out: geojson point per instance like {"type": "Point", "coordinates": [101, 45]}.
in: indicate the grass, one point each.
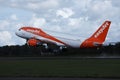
{"type": "Point", "coordinates": [61, 68]}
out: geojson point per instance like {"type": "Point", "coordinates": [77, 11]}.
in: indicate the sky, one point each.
{"type": "Point", "coordinates": [78, 17]}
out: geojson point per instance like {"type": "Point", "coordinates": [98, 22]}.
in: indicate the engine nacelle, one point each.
{"type": "Point", "coordinates": [32, 42]}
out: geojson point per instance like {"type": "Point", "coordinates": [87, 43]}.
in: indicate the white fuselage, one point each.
{"type": "Point", "coordinates": [68, 39]}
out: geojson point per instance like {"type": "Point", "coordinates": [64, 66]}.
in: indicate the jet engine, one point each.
{"type": "Point", "coordinates": [32, 42]}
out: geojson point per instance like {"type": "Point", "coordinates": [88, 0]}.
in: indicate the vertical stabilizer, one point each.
{"type": "Point", "coordinates": [98, 37]}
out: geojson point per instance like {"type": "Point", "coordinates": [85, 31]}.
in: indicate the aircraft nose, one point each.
{"type": "Point", "coordinates": [20, 34]}
{"type": "Point", "coordinates": [17, 33]}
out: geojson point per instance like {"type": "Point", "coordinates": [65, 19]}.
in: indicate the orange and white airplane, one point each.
{"type": "Point", "coordinates": [36, 36]}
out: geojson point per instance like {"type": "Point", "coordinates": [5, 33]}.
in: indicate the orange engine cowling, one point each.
{"type": "Point", "coordinates": [32, 42]}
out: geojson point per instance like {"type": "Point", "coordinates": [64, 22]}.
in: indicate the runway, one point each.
{"type": "Point", "coordinates": [53, 58]}
{"type": "Point", "coordinates": [29, 78]}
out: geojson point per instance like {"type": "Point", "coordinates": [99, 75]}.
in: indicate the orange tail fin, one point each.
{"type": "Point", "coordinates": [98, 37]}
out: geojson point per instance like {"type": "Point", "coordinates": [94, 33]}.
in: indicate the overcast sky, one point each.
{"type": "Point", "coordinates": [79, 17]}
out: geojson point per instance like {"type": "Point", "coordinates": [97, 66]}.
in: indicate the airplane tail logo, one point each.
{"type": "Point", "coordinates": [98, 37]}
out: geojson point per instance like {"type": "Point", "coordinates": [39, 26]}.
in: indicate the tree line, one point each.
{"type": "Point", "coordinates": [25, 50]}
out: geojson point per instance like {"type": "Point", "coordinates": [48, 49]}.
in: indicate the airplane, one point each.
{"type": "Point", "coordinates": [37, 36]}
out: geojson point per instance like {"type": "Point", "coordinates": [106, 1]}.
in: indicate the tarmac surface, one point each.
{"type": "Point", "coordinates": [28, 78]}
